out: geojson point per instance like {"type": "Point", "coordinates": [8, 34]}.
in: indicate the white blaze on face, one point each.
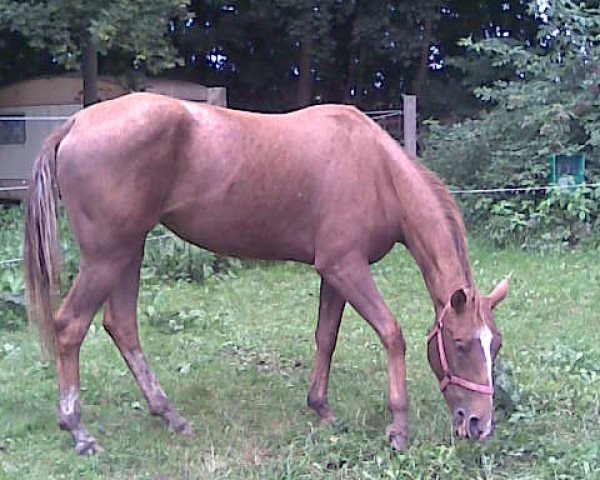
{"type": "Point", "coordinates": [485, 337]}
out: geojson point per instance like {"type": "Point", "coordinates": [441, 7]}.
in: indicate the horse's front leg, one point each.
{"type": "Point", "coordinates": [350, 276]}
{"type": "Point", "coordinates": [331, 308]}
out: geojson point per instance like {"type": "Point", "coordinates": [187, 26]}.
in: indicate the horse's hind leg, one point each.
{"type": "Point", "coordinates": [92, 285]}
{"type": "Point", "coordinates": [121, 324]}
{"type": "Point", "coordinates": [331, 308]}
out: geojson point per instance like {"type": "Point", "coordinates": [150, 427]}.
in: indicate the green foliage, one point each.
{"type": "Point", "coordinates": [550, 105]}
{"type": "Point", "coordinates": [166, 258]}
{"type": "Point", "coordinates": [12, 301]}
{"type": "Point", "coordinates": [18, 60]}
{"type": "Point", "coordinates": [378, 49]}
{"type": "Point", "coordinates": [168, 317]}
{"type": "Point", "coordinates": [135, 28]}
{"type": "Point", "coordinates": [553, 218]}
{"type": "Point", "coordinates": [366, 53]}
{"type": "Point", "coordinates": [346, 46]}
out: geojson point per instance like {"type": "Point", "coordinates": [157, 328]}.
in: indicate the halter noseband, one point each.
{"type": "Point", "coordinates": [449, 378]}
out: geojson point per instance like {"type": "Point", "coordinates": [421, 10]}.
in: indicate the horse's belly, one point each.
{"type": "Point", "coordinates": [237, 232]}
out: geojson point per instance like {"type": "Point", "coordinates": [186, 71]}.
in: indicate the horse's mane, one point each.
{"type": "Point", "coordinates": [451, 214]}
{"type": "Point", "coordinates": [446, 202]}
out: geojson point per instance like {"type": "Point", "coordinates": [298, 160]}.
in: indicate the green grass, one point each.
{"type": "Point", "coordinates": [237, 363]}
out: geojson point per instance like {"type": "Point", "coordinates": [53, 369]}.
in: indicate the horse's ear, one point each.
{"type": "Point", "coordinates": [499, 293]}
{"type": "Point", "coordinates": [458, 300]}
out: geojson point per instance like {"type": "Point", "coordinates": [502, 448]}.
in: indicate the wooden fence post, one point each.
{"type": "Point", "coordinates": [217, 96]}
{"type": "Point", "coordinates": [410, 125]}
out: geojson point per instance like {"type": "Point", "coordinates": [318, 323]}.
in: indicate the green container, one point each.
{"type": "Point", "coordinates": [567, 170]}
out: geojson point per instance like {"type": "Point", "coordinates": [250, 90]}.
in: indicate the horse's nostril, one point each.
{"type": "Point", "coordinates": [474, 428]}
{"type": "Point", "coordinates": [460, 413]}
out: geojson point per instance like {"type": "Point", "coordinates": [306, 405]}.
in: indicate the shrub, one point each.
{"type": "Point", "coordinates": [550, 106]}
{"type": "Point", "coordinates": [167, 258]}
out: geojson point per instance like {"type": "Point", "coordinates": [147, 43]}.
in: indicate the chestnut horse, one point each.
{"type": "Point", "coordinates": [324, 185]}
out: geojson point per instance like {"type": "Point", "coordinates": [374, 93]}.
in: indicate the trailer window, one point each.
{"type": "Point", "coordinates": [12, 130]}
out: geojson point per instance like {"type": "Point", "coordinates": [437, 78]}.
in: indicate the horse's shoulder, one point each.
{"type": "Point", "coordinates": [137, 103]}
{"type": "Point", "coordinates": [343, 115]}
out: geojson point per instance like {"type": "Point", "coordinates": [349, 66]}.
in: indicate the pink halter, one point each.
{"type": "Point", "coordinates": [449, 378]}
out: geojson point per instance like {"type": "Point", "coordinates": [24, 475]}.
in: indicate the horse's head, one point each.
{"type": "Point", "coordinates": [462, 347]}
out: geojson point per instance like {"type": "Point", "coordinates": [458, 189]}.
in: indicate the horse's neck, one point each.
{"type": "Point", "coordinates": [441, 268]}
{"type": "Point", "coordinates": [437, 244]}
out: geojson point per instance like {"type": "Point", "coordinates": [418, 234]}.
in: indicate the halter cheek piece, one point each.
{"type": "Point", "coordinates": [449, 378]}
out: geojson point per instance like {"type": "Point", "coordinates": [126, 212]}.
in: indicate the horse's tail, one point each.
{"type": "Point", "coordinates": [41, 248]}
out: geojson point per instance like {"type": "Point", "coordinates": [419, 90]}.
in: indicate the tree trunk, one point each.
{"type": "Point", "coordinates": [89, 70]}
{"type": "Point", "coordinates": [345, 53]}
{"type": "Point", "coordinates": [422, 72]}
{"type": "Point", "coordinates": [351, 79]}
{"type": "Point", "coordinates": [355, 74]}
{"type": "Point", "coordinates": [304, 93]}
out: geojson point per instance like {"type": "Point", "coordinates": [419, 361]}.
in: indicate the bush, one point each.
{"type": "Point", "coordinates": [552, 105]}
{"type": "Point", "coordinates": [167, 258]}
{"type": "Point", "coordinates": [12, 301]}
{"type": "Point", "coordinates": [558, 218]}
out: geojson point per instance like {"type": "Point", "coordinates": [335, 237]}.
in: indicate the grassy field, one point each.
{"type": "Point", "coordinates": [234, 355]}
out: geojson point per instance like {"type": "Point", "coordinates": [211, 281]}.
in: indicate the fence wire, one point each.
{"type": "Point", "coordinates": [381, 114]}
{"type": "Point", "coordinates": [40, 118]}
{"type": "Point", "coordinates": [370, 113]}
{"type": "Point", "coordinates": [374, 115]}
{"type": "Point", "coordinates": [386, 115]}
{"type": "Point", "coordinates": [483, 191]}
{"type": "Point", "coordinates": [156, 238]}
{"type": "Point", "coordinates": [475, 191]}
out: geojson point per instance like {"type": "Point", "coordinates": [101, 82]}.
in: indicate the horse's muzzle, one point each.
{"type": "Point", "coordinates": [472, 427]}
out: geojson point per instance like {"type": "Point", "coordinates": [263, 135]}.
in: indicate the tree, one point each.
{"type": "Point", "coordinates": [552, 97]}
{"type": "Point", "coordinates": [281, 54]}
{"type": "Point", "coordinates": [459, 71]}
{"type": "Point", "coordinates": [75, 33]}
{"type": "Point", "coordinates": [17, 60]}
{"type": "Point", "coordinates": [549, 105]}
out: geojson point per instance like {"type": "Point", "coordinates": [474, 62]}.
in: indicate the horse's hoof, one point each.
{"type": "Point", "coordinates": [398, 441]}
{"type": "Point", "coordinates": [178, 423]}
{"type": "Point", "coordinates": [187, 431]}
{"type": "Point", "coordinates": [88, 447]}
{"type": "Point", "coordinates": [328, 421]}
